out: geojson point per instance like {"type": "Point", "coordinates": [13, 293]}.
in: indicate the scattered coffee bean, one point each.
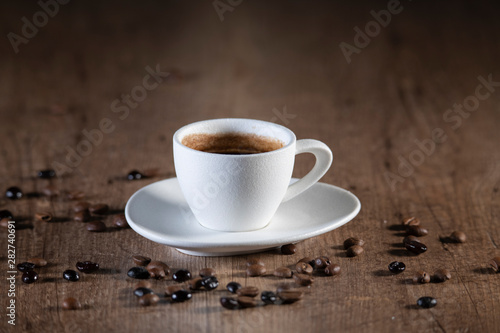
{"type": "Point", "coordinates": [99, 209]}
{"type": "Point", "coordinates": [25, 266]}
{"type": "Point", "coordinates": [351, 241]}
{"type": "Point", "coordinates": [233, 287]}
{"type": "Point", "coordinates": [229, 303]}
{"type": "Point", "coordinates": [181, 296]}
{"type": "Point", "coordinates": [332, 270]}
{"type": "Point", "coordinates": [5, 214]}
{"type": "Point", "coordinates": [173, 288]}
{"type": "Point", "coordinates": [149, 299]}
{"type": "Point", "coordinates": [50, 191]}
{"type": "Point", "coordinates": [152, 172]}
{"type": "Point", "coordinates": [255, 261]}
{"type": "Point", "coordinates": [246, 302]}
{"type": "Point", "coordinates": [421, 277]}
{"type": "Point", "coordinates": [157, 273]}
{"type": "Point", "coordinates": [426, 302]}
{"type": "Point", "coordinates": [71, 303]}
{"type": "Point", "coordinates": [82, 216]}
{"type": "Point", "coordinates": [158, 269]}
{"type": "Point", "coordinates": [416, 230]}
{"type": "Point", "coordinates": [397, 267]}
{"type": "Point", "coordinates": [134, 175]}
{"type": "Point", "coordinates": [181, 275]}
{"type": "Point", "coordinates": [4, 223]}
{"type": "Point", "coordinates": [284, 286]}
{"type": "Point", "coordinates": [29, 277]}
{"type": "Point", "coordinates": [207, 272]}
{"type": "Point", "coordinates": [321, 262]}
{"type": "Point", "coordinates": [45, 174]}
{"type": "Point", "coordinates": [120, 221]}
{"type": "Point", "coordinates": [289, 249]}
{"type": "Point", "coordinates": [71, 275]}
{"type": "Point", "coordinates": [143, 284]}
{"type": "Point", "coordinates": [354, 251]}
{"type": "Point", "coordinates": [139, 292]}
{"type": "Point", "coordinates": [209, 282]}
{"type": "Point", "coordinates": [138, 273]}
{"type": "Point", "coordinates": [290, 296]}
{"type": "Point", "coordinates": [303, 279]}
{"type": "Point", "coordinates": [495, 264]}
{"type": "Point", "coordinates": [195, 284]}
{"type": "Point", "coordinates": [75, 195]}
{"type": "Point", "coordinates": [248, 291]}
{"type": "Point", "coordinates": [96, 226]}
{"type": "Point", "coordinates": [308, 260]}
{"type": "Point", "coordinates": [81, 206]}
{"type": "Point", "coordinates": [38, 262]}
{"type": "Point", "coordinates": [410, 221]}
{"type": "Point", "coordinates": [268, 297]}
{"type": "Point", "coordinates": [141, 260]}
{"type": "Point", "coordinates": [410, 238]}
{"type": "Point", "coordinates": [44, 217]}
{"type": "Point", "coordinates": [304, 268]}
{"type": "Point", "coordinates": [256, 270]}
{"type": "Point", "coordinates": [415, 247]}
{"type": "Point", "coordinates": [14, 193]}
{"type": "Point", "coordinates": [284, 272]}
{"type": "Point", "coordinates": [458, 237]}
{"type": "Point", "coordinates": [87, 266]}
{"type": "Point", "coordinates": [441, 275]}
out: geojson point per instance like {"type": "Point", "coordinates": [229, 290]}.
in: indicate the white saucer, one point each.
{"type": "Point", "coordinates": [160, 213]}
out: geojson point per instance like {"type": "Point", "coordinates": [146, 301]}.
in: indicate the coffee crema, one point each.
{"type": "Point", "coordinates": [232, 143]}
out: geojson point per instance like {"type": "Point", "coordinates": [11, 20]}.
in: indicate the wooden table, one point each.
{"type": "Point", "coordinates": [281, 62]}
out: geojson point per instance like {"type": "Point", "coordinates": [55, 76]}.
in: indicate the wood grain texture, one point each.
{"type": "Point", "coordinates": [263, 59]}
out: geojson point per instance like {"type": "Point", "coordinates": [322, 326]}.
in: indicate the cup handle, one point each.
{"type": "Point", "coordinates": [324, 159]}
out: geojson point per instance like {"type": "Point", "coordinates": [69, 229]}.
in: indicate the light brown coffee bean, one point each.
{"type": "Point", "coordinates": [289, 249]}
{"type": "Point", "coordinates": [75, 195]}
{"type": "Point", "coordinates": [307, 260]}
{"type": "Point", "coordinates": [304, 268]}
{"type": "Point", "coordinates": [332, 270]}
{"type": "Point", "coordinates": [120, 221]}
{"type": "Point", "coordinates": [43, 216]}
{"type": "Point", "coordinates": [290, 296]}
{"type": "Point", "coordinates": [283, 272]}
{"type": "Point", "coordinates": [153, 172]}
{"type": "Point", "coordinates": [410, 221]}
{"type": "Point", "coordinates": [409, 239]}
{"type": "Point", "coordinates": [80, 206]}
{"type": "Point", "coordinates": [495, 264]}
{"type": "Point", "coordinates": [38, 262]}
{"type": "Point", "coordinates": [421, 277]}
{"type": "Point", "coordinates": [143, 284]}
{"type": "Point", "coordinates": [458, 237]}
{"type": "Point", "coordinates": [141, 260]}
{"type": "Point", "coordinates": [442, 275]}
{"type": "Point", "coordinates": [247, 302]}
{"type": "Point", "coordinates": [96, 226]}
{"type": "Point", "coordinates": [303, 279]}
{"type": "Point", "coordinates": [82, 216]}
{"type": "Point", "coordinates": [207, 271]}
{"type": "Point", "coordinates": [149, 299]}
{"type": "Point", "coordinates": [195, 284]}
{"type": "Point", "coordinates": [255, 261]}
{"type": "Point", "coordinates": [284, 286]}
{"type": "Point", "coordinates": [173, 288]}
{"type": "Point", "coordinates": [4, 222]}
{"type": "Point", "coordinates": [70, 303]}
{"type": "Point", "coordinates": [351, 241]}
{"type": "Point", "coordinates": [416, 230]}
{"type": "Point", "coordinates": [248, 291]}
{"type": "Point", "coordinates": [354, 251]}
{"type": "Point", "coordinates": [321, 262]}
{"type": "Point", "coordinates": [99, 209]}
{"type": "Point", "coordinates": [50, 191]}
{"type": "Point", "coordinates": [256, 270]}
{"type": "Point", "coordinates": [158, 269]}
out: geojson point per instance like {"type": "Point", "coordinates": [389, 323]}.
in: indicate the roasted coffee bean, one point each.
{"type": "Point", "coordinates": [71, 275]}
{"type": "Point", "coordinates": [75, 195]}
{"type": "Point", "coordinates": [14, 193]}
{"type": "Point", "coordinates": [45, 174]}
{"type": "Point", "coordinates": [441, 275]}
{"type": "Point", "coordinates": [71, 303]}
{"type": "Point", "coordinates": [308, 260]}
{"type": "Point", "coordinates": [268, 297]}
{"type": "Point", "coordinates": [284, 272]}
{"type": "Point", "coordinates": [256, 270]}
{"type": "Point", "coordinates": [246, 302]}
{"type": "Point", "coordinates": [149, 299]}
{"type": "Point", "coordinates": [182, 275]}
{"type": "Point", "coordinates": [321, 262]}
{"type": "Point", "coordinates": [289, 249]}
{"type": "Point", "coordinates": [25, 266]}
{"type": "Point", "coordinates": [255, 261]}
{"type": "Point", "coordinates": [82, 216]}
{"type": "Point", "coordinates": [96, 226]}
{"type": "Point", "coordinates": [99, 209]}
{"type": "Point", "coordinates": [458, 237]}
{"type": "Point", "coordinates": [157, 273]}
{"type": "Point", "coordinates": [181, 296]}
{"type": "Point", "coordinates": [290, 296]}
{"type": "Point", "coordinates": [38, 262]}
{"type": "Point", "coordinates": [354, 251]}
{"type": "Point", "coordinates": [173, 288]}
{"type": "Point", "coordinates": [229, 303]}
{"type": "Point", "coordinates": [304, 268]}
{"type": "Point", "coordinates": [303, 279]}
{"type": "Point", "coordinates": [120, 221]}
{"type": "Point", "coordinates": [248, 291]}
{"type": "Point", "coordinates": [143, 284]}
{"type": "Point", "coordinates": [284, 286]}
{"type": "Point", "coordinates": [44, 217]}
{"type": "Point", "coordinates": [134, 175]}
{"type": "Point", "coordinates": [158, 269]}
{"type": "Point", "coordinates": [415, 247]}
{"type": "Point", "coordinates": [5, 214]}
{"type": "Point", "coordinates": [152, 172]}
{"type": "Point", "coordinates": [209, 282]}
{"type": "Point", "coordinates": [351, 241]}
{"type": "Point", "coordinates": [141, 260]}
{"type": "Point", "coordinates": [207, 272]}
{"type": "Point", "coordinates": [50, 191]}
{"type": "Point", "coordinates": [138, 273]}
{"type": "Point", "coordinates": [87, 266]}
{"type": "Point", "coordinates": [410, 238]}
{"type": "Point", "coordinates": [4, 223]}
{"type": "Point", "coordinates": [397, 267]}
{"type": "Point", "coordinates": [495, 264]}
{"type": "Point", "coordinates": [426, 302]}
{"type": "Point", "coordinates": [81, 206]}
{"type": "Point", "coordinates": [410, 221]}
{"type": "Point", "coordinates": [332, 270]}
{"type": "Point", "coordinates": [139, 292]}
{"type": "Point", "coordinates": [416, 230]}
{"type": "Point", "coordinates": [29, 277]}
{"type": "Point", "coordinates": [233, 287]}
{"type": "Point", "coordinates": [195, 284]}
{"type": "Point", "coordinates": [421, 277]}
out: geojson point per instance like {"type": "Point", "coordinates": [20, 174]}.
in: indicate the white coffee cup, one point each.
{"type": "Point", "coordinates": [243, 192]}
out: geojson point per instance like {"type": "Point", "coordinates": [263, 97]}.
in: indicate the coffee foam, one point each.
{"type": "Point", "coordinates": [231, 143]}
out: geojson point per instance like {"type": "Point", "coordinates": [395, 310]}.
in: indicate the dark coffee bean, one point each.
{"type": "Point", "coordinates": [14, 193]}
{"type": "Point", "coordinates": [182, 275]}
{"type": "Point", "coordinates": [209, 282]}
{"type": "Point", "coordinates": [120, 221]}
{"type": "Point", "coordinates": [354, 251]}
{"type": "Point", "coordinates": [173, 288]}
{"type": "Point", "coordinates": [289, 249]}
{"type": "Point", "coordinates": [321, 262]}
{"type": "Point", "coordinates": [268, 297]}
{"type": "Point", "coordinates": [25, 267]}
{"type": "Point", "coordinates": [29, 277]}
{"type": "Point", "coordinates": [50, 191]}
{"type": "Point", "coordinates": [45, 174]}
{"type": "Point", "coordinates": [303, 279]}
{"type": "Point", "coordinates": [207, 272]}
{"type": "Point", "coordinates": [290, 296]}
{"type": "Point", "coordinates": [195, 284]}
{"type": "Point", "coordinates": [81, 206]}
{"type": "Point", "coordinates": [332, 270]}
{"type": "Point", "coordinates": [233, 287]}
{"type": "Point", "coordinates": [149, 299]}
{"type": "Point", "coordinates": [134, 175]}
{"type": "Point", "coordinates": [284, 272]}
{"type": "Point", "coordinates": [99, 209]}
{"type": "Point", "coordinates": [141, 260]}
{"type": "Point", "coordinates": [415, 247]}
{"type": "Point", "coordinates": [158, 269]}
{"type": "Point", "coordinates": [458, 237]}
{"type": "Point", "coordinates": [421, 277]}
{"type": "Point", "coordinates": [256, 270]}
{"type": "Point", "coordinates": [410, 238]}
{"type": "Point", "coordinates": [426, 302]}
{"type": "Point", "coordinates": [416, 230]}
{"type": "Point", "coordinates": [71, 275]}
{"type": "Point", "coordinates": [5, 214]}
{"type": "Point", "coordinates": [255, 261]}
{"type": "Point", "coordinates": [82, 216]}
{"type": "Point", "coordinates": [87, 266]}
{"type": "Point", "coordinates": [38, 262]}
{"type": "Point", "coordinates": [139, 292]}
{"type": "Point", "coordinates": [495, 264]}
{"type": "Point", "coordinates": [351, 241]}
{"type": "Point", "coordinates": [229, 303]}
{"type": "Point", "coordinates": [96, 226]}
{"type": "Point", "coordinates": [181, 296]}
{"type": "Point", "coordinates": [248, 291]}
{"type": "Point", "coordinates": [441, 275]}
{"type": "Point", "coordinates": [246, 302]}
{"type": "Point", "coordinates": [308, 260]}
{"type": "Point", "coordinates": [410, 221]}
{"type": "Point", "coordinates": [397, 267]}
{"type": "Point", "coordinates": [75, 195]}
{"type": "Point", "coordinates": [143, 284]}
{"type": "Point", "coordinates": [138, 273]}
{"type": "Point", "coordinates": [304, 268]}
{"type": "Point", "coordinates": [71, 303]}
{"type": "Point", "coordinates": [43, 217]}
